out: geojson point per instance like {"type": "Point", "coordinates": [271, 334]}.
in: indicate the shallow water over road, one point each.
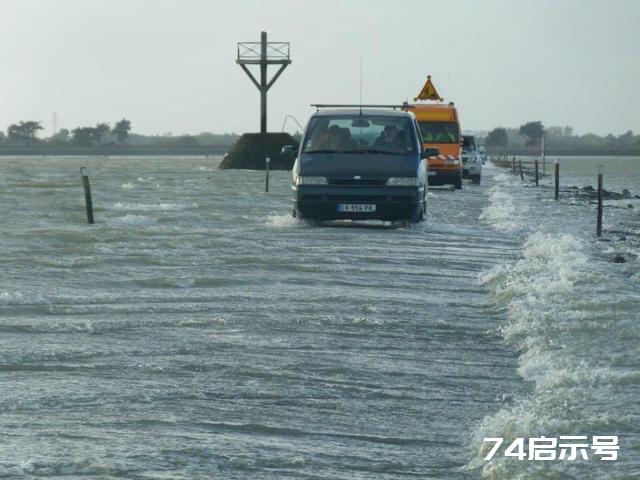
{"type": "Point", "coordinates": [198, 331]}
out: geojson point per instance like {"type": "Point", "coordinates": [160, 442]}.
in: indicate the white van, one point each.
{"type": "Point", "coordinates": [471, 159]}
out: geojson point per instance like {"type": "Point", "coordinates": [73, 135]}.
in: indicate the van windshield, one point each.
{"type": "Point", "coordinates": [359, 134]}
{"type": "Point", "coordinates": [439, 132]}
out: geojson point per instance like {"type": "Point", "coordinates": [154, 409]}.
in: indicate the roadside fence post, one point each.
{"type": "Point", "coordinates": [544, 159]}
{"type": "Point", "coordinates": [600, 195]}
{"type": "Point", "coordinates": [87, 194]}
{"type": "Point", "coordinates": [521, 172]}
{"type": "Point", "coordinates": [557, 167]}
{"type": "Point", "coordinates": [537, 176]}
{"type": "Point", "coordinates": [266, 180]}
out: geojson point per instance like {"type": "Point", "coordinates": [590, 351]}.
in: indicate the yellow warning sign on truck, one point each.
{"type": "Point", "coordinates": [428, 92]}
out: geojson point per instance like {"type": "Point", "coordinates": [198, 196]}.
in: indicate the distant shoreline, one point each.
{"type": "Point", "coordinates": [112, 150]}
{"type": "Point", "coordinates": [171, 150]}
{"type": "Point", "coordinates": [565, 152]}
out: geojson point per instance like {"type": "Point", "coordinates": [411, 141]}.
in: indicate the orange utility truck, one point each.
{"type": "Point", "coordinates": [440, 128]}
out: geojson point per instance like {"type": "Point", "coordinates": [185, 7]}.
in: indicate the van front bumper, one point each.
{"type": "Point", "coordinates": [323, 202]}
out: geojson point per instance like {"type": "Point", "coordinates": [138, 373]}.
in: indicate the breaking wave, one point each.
{"type": "Point", "coordinates": [557, 316]}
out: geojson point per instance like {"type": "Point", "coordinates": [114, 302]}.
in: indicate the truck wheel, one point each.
{"type": "Point", "coordinates": [476, 179]}
{"type": "Point", "coordinates": [458, 182]}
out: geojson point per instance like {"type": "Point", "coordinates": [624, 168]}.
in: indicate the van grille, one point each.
{"type": "Point", "coordinates": [351, 181]}
{"type": "Point", "coordinates": [356, 198]}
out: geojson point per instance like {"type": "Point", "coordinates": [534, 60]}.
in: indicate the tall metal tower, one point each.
{"type": "Point", "coordinates": [263, 53]}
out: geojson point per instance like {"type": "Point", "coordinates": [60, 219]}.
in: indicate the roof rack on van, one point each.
{"type": "Point", "coordinates": [345, 105]}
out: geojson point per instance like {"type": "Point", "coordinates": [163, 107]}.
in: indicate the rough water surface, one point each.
{"type": "Point", "coordinates": [198, 331]}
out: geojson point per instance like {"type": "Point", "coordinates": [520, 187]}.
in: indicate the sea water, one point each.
{"type": "Point", "coordinates": [197, 330]}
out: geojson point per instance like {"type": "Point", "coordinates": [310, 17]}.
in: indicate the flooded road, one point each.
{"type": "Point", "coordinates": [198, 331]}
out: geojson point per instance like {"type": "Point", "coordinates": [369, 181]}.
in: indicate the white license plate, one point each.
{"type": "Point", "coordinates": [356, 207]}
{"type": "Point", "coordinates": [431, 174]}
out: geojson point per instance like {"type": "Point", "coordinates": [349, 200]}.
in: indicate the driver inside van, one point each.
{"type": "Point", "coordinates": [330, 140]}
{"type": "Point", "coordinates": [391, 138]}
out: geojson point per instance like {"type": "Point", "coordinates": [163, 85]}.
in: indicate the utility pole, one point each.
{"type": "Point", "coordinates": [263, 53]}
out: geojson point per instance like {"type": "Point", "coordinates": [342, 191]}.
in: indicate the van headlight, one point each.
{"type": "Point", "coordinates": [300, 180]}
{"type": "Point", "coordinates": [404, 181]}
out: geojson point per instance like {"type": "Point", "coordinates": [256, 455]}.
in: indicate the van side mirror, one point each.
{"type": "Point", "coordinates": [430, 152]}
{"type": "Point", "coordinates": [289, 150]}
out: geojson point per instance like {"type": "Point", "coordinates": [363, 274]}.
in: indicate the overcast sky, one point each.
{"type": "Point", "coordinates": [169, 65]}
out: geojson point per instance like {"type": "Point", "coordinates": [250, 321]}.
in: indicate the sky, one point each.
{"type": "Point", "coordinates": [169, 65]}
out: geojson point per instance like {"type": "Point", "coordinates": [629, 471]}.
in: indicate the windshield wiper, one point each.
{"type": "Point", "coordinates": [373, 150]}
{"type": "Point", "coordinates": [322, 151]}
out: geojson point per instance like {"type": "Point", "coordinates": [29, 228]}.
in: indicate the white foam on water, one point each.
{"type": "Point", "coordinates": [36, 467]}
{"type": "Point", "coordinates": [501, 212]}
{"type": "Point", "coordinates": [282, 221]}
{"type": "Point", "coordinates": [560, 327]}
{"type": "Point", "coordinates": [19, 298]}
{"type": "Point", "coordinates": [550, 261]}
{"type": "Point", "coordinates": [143, 207]}
{"type": "Point", "coordinates": [539, 287]}
{"type": "Point", "coordinates": [66, 262]}
{"type": "Point", "coordinates": [132, 219]}
{"type": "Point", "coordinates": [52, 327]}
{"type": "Point", "coordinates": [202, 322]}
{"type": "Point", "coordinates": [349, 320]}
{"type": "Point", "coordinates": [184, 282]}
{"type": "Point", "coordinates": [504, 178]}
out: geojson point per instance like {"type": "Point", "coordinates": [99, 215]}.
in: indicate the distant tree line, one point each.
{"type": "Point", "coordinates": [526, 138]}
{"type": "Point", "coordinates": [102, 134]}
{"type": "Point", "coordinates": [560, 140]}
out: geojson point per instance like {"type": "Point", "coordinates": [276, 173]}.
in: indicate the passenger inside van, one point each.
{"type": "Point", "coordinates": [391, 138]}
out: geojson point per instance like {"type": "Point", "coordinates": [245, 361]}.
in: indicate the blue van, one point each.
{"type": "Point", "coordinates": [360, 164]}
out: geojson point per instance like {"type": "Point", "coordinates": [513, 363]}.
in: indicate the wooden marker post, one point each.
{"type": "Point", "coordinates": [266, 179]}
{"type": "Point", "coordinates": [521, 172]}
{"type": "Point", "coordinates": [87, 194]}
{"type": "Point", "coordinates": [537, 176]}
{"type": "Point", "coordinates": [557, 167]}
{"type": "Point", "coordinates": [599, 223]}
{"type": "Point", "coordinates": [513, 164]}
{"type": "Point", "coordinates": [544, 159]}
